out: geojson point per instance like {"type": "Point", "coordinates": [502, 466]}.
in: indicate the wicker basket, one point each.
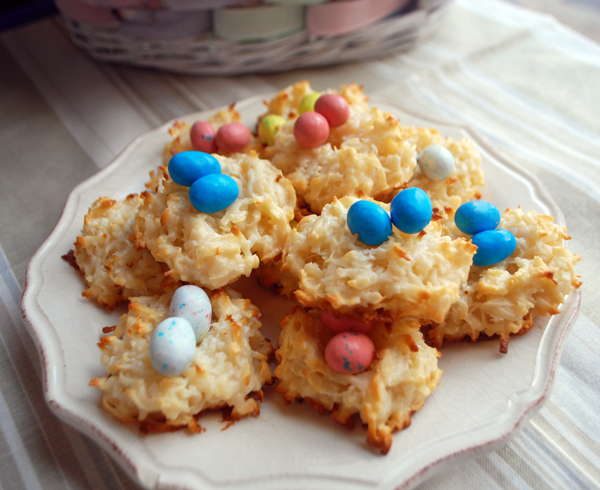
{"type": "Point", "coordinates": [206, 55]}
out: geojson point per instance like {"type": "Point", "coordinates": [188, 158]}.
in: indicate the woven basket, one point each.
{"type": "Point", "coordinates": [205, 55]}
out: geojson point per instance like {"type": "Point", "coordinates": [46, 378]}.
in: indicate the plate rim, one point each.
{"type": "Point", "coordinates": [45, 338]}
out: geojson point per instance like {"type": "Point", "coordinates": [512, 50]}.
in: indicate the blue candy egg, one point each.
{"type": "Point", "coordinates": [213, 193]}
{"type": "Point", "coordinates": [187, 167]}
{"type": "Point", "coordinates": [411, 210]}
{"type": "Point", "coordinates": [192, 303]}
{"type": "Point", "coordinates": [370, 221]}
{"type": "Point", "coordinates": [436, 162]}
{"type": "Point", "coordinates": [493, 246]}
{"type": "Point", "coordinates": [477, 216]}
{"type": "Point", "coordinates": [172, 346]}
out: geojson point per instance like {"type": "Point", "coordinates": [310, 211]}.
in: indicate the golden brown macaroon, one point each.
{"type": "Point", "coordinates": [113, 269]}
{"type": "Point", "coordinates": [369, 153]}
{"type": "Point", "coordinates": [286, 102]}
{"type": "Point", "coordinates": [213, 250]}
{"type": "Point", "coordinates": [408, 275]}
{"type": "Point", "coordinates": [229, 366]}
{"type": "Point", "coordinates": [404, 372]}
{"type": "Point", "coordinates": [180, 134]}
{"type": "Point", "coordinates": [270, 276]}
{"type": "Point", "coordinates": [505, 298]}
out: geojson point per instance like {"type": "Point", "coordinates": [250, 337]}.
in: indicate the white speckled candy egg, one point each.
{"type": "Point", "coordinates": [192, 303]}
{"type": "Point", "coordinates": [436, 162]}
{"type": "Point", "coordinates": [172, 346]}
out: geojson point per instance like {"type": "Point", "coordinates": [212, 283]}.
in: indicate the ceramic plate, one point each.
{"type": "Point", "coordinates": [483, 396]}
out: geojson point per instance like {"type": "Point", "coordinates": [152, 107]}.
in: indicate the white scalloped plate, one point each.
{"type": "Point", "coordinates": [482, 399]}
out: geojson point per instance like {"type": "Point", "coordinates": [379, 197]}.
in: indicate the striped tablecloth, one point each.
{"type": "Point", "coordinates": [529, 84]}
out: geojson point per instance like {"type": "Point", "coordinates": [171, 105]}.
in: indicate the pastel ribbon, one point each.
{"type": "Point", "coordinates": [257, 23]}
{"type": "Point", "coordinates": [117, 4]}
{"type": "Point", "coordinates": [204, 4]}
{"type": "Point", "coordinates": [163, 24]}
{"type": "Point", "coordinates": [84, 13]}
{"type": "Point", "coordinates": [335, 18]}
{"type": "Point", "coordinates": [296, 2]}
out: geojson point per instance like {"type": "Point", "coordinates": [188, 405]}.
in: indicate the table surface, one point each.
{"type": "Point", "coordinates": [526, 81]}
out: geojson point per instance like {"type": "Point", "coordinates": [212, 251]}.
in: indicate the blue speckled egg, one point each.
{"type": "Point", "coordinates": [213, 193]}
{"type": "Point", "coordinates": [477, 216]}
{"type": "Point", "coordinates": [411, 210]}
{"type": "Point", "coordinates": [192, 303]}
{"type": "Point", "coordinates": [370, 221]}
{"type": "Point", "coordinates": [172, 346]}
{"type": "Point", "coordinates": [187, 167]}
{"type": "Point", "coordinates": [493, 246]}
{"type": "Point", "coordinates": [436, 162]}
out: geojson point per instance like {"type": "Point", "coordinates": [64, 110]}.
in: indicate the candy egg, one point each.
{"type": "Point", "coordinates": [311, 130]}
{"type": "Point", "coordinates": [349, 353]}
{"type": "Point", "coordinates": [334, 108]}
{"type": "Point", "coordinates": [172, 346]}
{"type": "Point", "coordinates": [213, 193]}
{"type": "Point", "coordinates": [344, 323]}
{"type": "Point", "coordinates": [477, 216]}
{"type": "Point", "coordinates": [370, 221]}
{"type": "Point", "coordinates": [232, 137]}
{"type": "Point", "coordinates": [269, 126]}
{"type": "Point", "coordinates": [192, 304]}
{"type": "Point", "coordinates": [307, 104]}
{"type": "Point", "coordinates": [493, 246]}
{"type": "Point", "coordinates": [436, 162]}
{"type": "Point", "coordinates": [203, 136]}
{"type": "Point", "coordinates": [187, 167]}
{"type": "Point", "coordinates": [411, 210]}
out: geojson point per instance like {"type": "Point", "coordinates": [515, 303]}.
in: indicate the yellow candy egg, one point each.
{"type": "Point", "coordinates": [307, 103]}
{"type": "Point", "coordinates": [268, 128]}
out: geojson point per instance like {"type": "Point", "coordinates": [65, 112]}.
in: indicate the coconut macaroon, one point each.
{"type": "Point", "coordinates": [368, 153]}
{"type": "Point", "coordinates": [404, 372]}
{"type": "Point", "coordinates": [230, 365]}
{"type": "Point", "coordinates": [213, 250]}
{"type": "Point", "coordinates": [408, 275]}
{"type": "Point", "coordinates": [180, 133]}
{"type": "Point", "coordinates": [463, 184]}
{"type": "Point", "coordinates": [505, 298]}
{"type": "Point", "coordinates": [113, 269]}
{"type": "Point", "coordinates": [270, 276]}
{"type": "Point", "coordinates": [286, 102]}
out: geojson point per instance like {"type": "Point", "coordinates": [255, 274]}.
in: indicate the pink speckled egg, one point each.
{"type": "Point", "coordinates": [203, 136]}
{"type": "Point", "coordinates": [349, 353]}
{"type": "Point", "coordinates": [232, 137]}
{"type": "Point", "coordinates": [339, 324]}
{"type": "Point", "coordinates": [334, 108]}
{"type": "Point", "coordinates": [311, 130]}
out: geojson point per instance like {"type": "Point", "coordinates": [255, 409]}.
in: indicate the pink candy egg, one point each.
{"type": "Point", "coordinates": [339, 324]}
{"type": "Point", "coordinates": [349, 353]}
{"type": "Point", "coordinates": [311, 130]}
{"type": "Point", "coordinates": [202, 137]}
{"type": "Point", "coordinates": [232, 137]}
{"type": "Point", "coordinates": [334, 108]}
